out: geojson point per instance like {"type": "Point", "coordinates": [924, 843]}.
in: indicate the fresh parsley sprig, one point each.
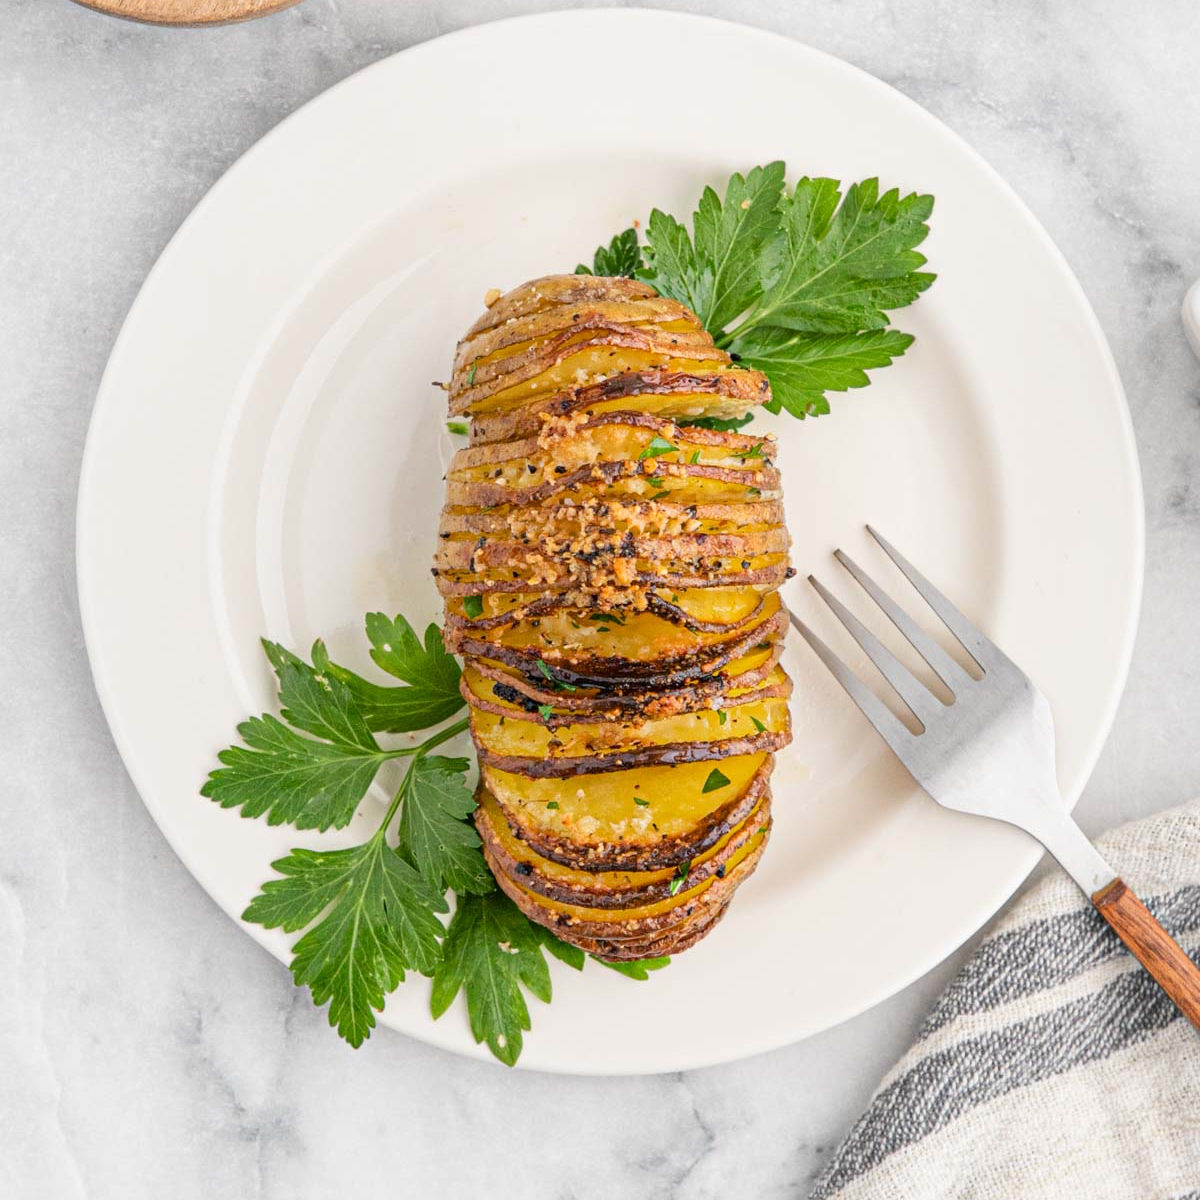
{"type": "Point", "coordinates": [370, 914]}
{"type": "Point", "coordinates": [795, 283]}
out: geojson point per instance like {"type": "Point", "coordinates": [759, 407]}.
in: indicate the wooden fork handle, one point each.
{"type": "Point", "coordinates": [1152, 946]}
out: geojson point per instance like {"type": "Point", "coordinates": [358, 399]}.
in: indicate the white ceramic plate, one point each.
{"type": "Point", "coordinates": [266, 458]}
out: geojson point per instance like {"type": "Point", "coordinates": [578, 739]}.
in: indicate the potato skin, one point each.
{"type": "Point", "coordinates": [650, 701]}
{"type": "Point", "coordinates": [550, 290]}
{"type": "Point", "coordinates": [587, 490]}
{"type": "Point", "coordinates": [643, 756]}
{"type": "Point", "coordinates": [496, 377]}
{"type": "Point", "coordinates": [524, 868]}
{"type": "Point", "coordinates": [611, 928]}
{"type": "Point", "coordinates": [621, 674]}
{"type": "Point", "coordinates": [691, 703]}
{"type": "Point", "coordinates": [731, 394]}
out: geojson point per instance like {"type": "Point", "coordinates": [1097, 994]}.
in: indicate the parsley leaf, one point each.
{"type": "Point", "coordinates": [731, 236]}
{"type": "Point", "coordinates": [492, 951]}
{"type": "Point", "coordinates": [722, 424]}
{"type": "Point", "coordinates": [714, 781]}
{"type": "Point", "coordinates": [395, 648]}
{"type": "Point", "coordinates": [836, 267]}
{"type": "Point", "coordinates": [434, 834]}
{"type": "Point", "coordinates": [429, 671]}
{"type": "Point", "coordinates": [673, 267]}
{"type": "Point", "coordinates": [795, 284]}
{"type": "Point", "coordinates": [295, 779]}
{"type": "Point", "coordinates": [804, 366]}
{"type": "Point", "coordinates": [370, 911]}
{"type": "Point", "coordinates": [317, 703]}
{"type": "Point", "coordinates": [622, 256]}
{"type": "Point", "coordinates": [571, 955]}
{"type": "Point", "coordinates": [635, 970]}
{"type": "Point", "coordinates": [379, 925]}
{"type": "Point", "coordinates": [292, 779]}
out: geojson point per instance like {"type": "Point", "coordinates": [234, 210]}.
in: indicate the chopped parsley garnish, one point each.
{"type": "Point", "coordinates": [656, 447]}
{"type": "Point", "coordinates": [680, 877]}
{"type": "Point", "coordinates": [547, 710]}
{"type": "Point", "coordinates": [722, 716]}
{"type": "Point", "coordinates": [714, 781]}
{"type": "Point", "coordinates": [695, 457]}
{"type": "Point", "coordinates": [459, 427]}
{"type": "Point", "coordinates": [561, 684]}
{"type": "Point", "coordinates": [654, 480]}
{"type": "Point", "coordinates": [612, 618]}
{"type": "Point", "coordinates": [720, 424]}
{"type": "Point", "coordinates": [471, 373]}
{"type": "Point", "coordinates": [659, 495]}
{"type": "Point", "coordinates": [552, 804]}
{"type": "Point", "coordinates": [640, 802]}
{"type": "Point", "coordinates": [759, 725]}
{"type": "Point", "coordinates": [473, 607]}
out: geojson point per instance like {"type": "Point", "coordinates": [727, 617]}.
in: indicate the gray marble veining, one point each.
{"type": "Point", "coordinates": [147, 1047]}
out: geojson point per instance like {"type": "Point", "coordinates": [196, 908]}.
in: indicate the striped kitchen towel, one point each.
{"type": "Point", "coordinates": [1053, 1066]}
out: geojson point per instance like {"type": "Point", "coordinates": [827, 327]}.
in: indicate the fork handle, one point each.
{"type": "Point", "coordinates": [1152, 946]}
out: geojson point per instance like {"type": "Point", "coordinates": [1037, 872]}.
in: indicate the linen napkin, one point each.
{"type": "Point", "coordinates": [1052, 1066]}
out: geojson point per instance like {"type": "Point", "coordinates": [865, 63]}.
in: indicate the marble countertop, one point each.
{"type": "Point", "coordinates": [148, 1048]}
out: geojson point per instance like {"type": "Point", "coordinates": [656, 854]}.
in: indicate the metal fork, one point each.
{"type": "Point", "coordinates": [990, 751]}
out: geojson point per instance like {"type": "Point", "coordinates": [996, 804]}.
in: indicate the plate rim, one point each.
{"type": "Point", "coordinates": [444, 1035]}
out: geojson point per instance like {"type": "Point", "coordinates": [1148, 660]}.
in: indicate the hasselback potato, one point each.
{"type": "Point", "coordinates": [610, 574]}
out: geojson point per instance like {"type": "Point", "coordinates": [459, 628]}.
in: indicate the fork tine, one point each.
{"type": "Point", "coordinates": [984, 652]}
{"type": "Point", "coordinates": [887, 724]}
{"type": "Point", "coordinates": [946, 669]}
{"type": "Point", "coordinates": [920, 700]}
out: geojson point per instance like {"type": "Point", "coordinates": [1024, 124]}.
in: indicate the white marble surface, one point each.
{"type": "Point", "coordinates": [147, 1047]}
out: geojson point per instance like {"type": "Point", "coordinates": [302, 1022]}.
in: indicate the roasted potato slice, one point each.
{"type": "Point", "coordinates": [675, 395]}
{"type": "Point", "coordinates": [566, 671]}
{"type": "Point", "coordinates": [593, 821]}
{"type": "Point", "coordinates": [751, 670]}
{"type": "Point", "coordinates": [655, 633]}
{"type": "Point", "coordinates": [558, 291]}
{"type": "Point", "coordinates": [538, 750]}
{"type": "Point", "coordinates": [514, 336]}
{"type": "Point", "coordinates": [646, 920]}
{"type": "Point", "coordinates": [602, 889]}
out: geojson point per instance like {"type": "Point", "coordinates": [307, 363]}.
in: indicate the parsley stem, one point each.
{"type": "Point", "coordinates": [444, 736]}
{"type": "Point", "coordinates": [726, 338]}
{"type": "Point", "coordinates": [418, 753]}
